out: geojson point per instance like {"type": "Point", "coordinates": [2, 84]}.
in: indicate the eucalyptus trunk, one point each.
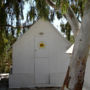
{"type": "Point", "coordinates": [75, 75]}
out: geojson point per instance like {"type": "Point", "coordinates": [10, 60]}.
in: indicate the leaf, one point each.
{"type": "Point", "coordinates": [64, 6]}
{"type": "Point", "coordinates": [58, 3]}
{"type": "Point", "coordinates": [5, 40]}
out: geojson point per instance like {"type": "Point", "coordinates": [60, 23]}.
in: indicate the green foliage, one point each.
{"type": "Point", "coordinates": [18, 31]}
{"type": "Point", "coordinates": [68, 30]}
{"type": "Point", "coordinates": [32, 13]}
{"type": "Point", "coordinates": [62, 28]}
{"type": "Point", "coordinates": [42, 8]}
{"type": "Point", "coordinates": [65, 28]}
{"type": "Point", "coordinates": [2, 44]}
{"type": "Point", "coordinates": [58, 3]}
{"type": "Point", "coordinates": [2, 29]}
{"type": "Point", "coordinates": [54, 0]}
{"type": "Point", "coordinates": [72, 40]}
{"type": "Point", "coordinates": [6, 56]}
{"type": "Point", "coordinates": [59, 15]}
{"type": "Point", "coordinates": [64, 6]}
{"type": "Point", "coordinates": [17, 10]}
{"type": "Point", "coordinates": [78, 7]}
{"type": "Point", "coordinates": [5, 62]}
{"type": "Point", "coordinates": [9, 7]}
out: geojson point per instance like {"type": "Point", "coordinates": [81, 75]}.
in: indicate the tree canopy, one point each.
{"type": "Point", "coordinates": [11, 15]}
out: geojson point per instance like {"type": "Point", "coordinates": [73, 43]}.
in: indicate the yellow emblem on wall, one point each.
{"type": "Point", "coordinates": [42, 45]}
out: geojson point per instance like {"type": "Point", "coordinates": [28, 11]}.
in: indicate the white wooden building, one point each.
{"type": "Point", "coordinates": [39, 58]}
{"type": "Point", "coordinates": [87, 72]}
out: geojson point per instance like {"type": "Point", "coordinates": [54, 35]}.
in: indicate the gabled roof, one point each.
{"type": "Point", "coordinates": [51, 26]}
{"type": "Point", "coordinates": [70, 50]}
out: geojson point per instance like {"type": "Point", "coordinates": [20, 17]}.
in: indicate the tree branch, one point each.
{"type": "Point", "coordinates": [73, 21]}
{"type": "Point", "coordinates": [51, 4]}
{"type": "Point", "coordinates": [15, 27]}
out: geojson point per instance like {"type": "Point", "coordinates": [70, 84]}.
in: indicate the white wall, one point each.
{"type": "Point", "coordinates": [23, 56]}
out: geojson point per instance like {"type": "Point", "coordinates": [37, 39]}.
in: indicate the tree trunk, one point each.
{"type": "Point", "coordinates": [72, 19]}
{"type": "Point", "coordinates": [70, 15]}
{"type": "Point", "coordinates": [75, 75]}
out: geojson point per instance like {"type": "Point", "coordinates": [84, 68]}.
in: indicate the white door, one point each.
{"type": "Point", "coordinates": [41, 61]}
